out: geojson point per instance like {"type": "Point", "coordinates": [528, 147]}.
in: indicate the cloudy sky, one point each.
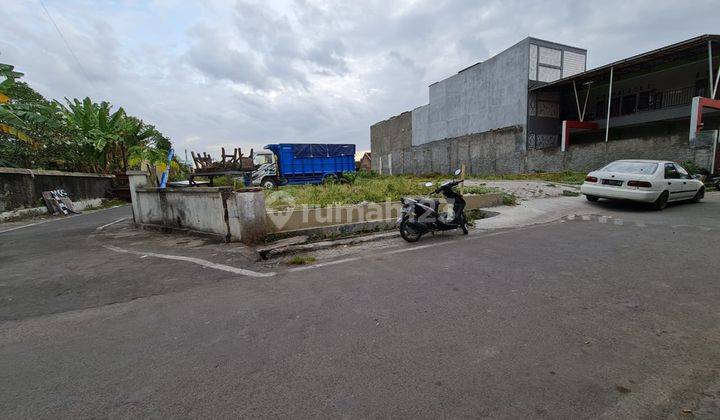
{"type": "Point", "coordinates": [247, 73]}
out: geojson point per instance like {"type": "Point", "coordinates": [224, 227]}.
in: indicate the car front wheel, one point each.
{"type": "Point", "coordinates": [592, 198]}
{"type": "Point", "coordinates": [699, 195]}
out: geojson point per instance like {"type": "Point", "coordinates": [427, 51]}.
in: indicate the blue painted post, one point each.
{"type": "Point", "coordinates": [163, 180]}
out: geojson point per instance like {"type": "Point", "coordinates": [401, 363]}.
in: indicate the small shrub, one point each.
{"type": "Point", "coordinates": [693, 168]}
{"type": "Point", "coordinates": [473, 215]}
{"type": "Point", "coordinates": [349, 177]}
{"type": "Point", "coordinates": [509, 199]}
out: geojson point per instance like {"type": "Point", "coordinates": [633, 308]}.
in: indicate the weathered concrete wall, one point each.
{"type": "Point", "coordinates": [387, 139]}
{"type": "Point", "coordinates": [216, 211]}
{"type": "Point", "coordinates": [246, 215]}
{"type": "Point", "coordinates": [200, 210]}
{"type": "Point", "coordinates": [487, 96]}
{"type": "Point", "coordinates": [495, 152]}
{"type": "Point", "coordinates": [665, 140]}
{"type": "Point", "coordinates": [22, 188]}
{"type": "Point", "coordinates": [306, 219]}
{"type": "Point", "coordinates": [482, 153]}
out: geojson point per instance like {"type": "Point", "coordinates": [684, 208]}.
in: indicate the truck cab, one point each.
{"type": "Point", "coordinates": [265, 173]}
{"type": "Point", "coordinates": [302, 163]}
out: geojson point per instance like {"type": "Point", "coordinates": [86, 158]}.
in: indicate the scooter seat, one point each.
{"type": "Point", "coordinates": [430, 202]}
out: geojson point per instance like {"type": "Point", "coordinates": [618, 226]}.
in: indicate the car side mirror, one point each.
{"type": "Point", "coordinates": [697, 176]}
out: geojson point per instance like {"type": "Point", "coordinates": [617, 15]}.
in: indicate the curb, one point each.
{"type": "Point", "coordinates": [269, 252]}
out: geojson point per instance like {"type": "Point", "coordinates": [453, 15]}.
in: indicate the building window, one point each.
{"type": "Point", "coordinates": [550, 56]}
{"type": "Point", "coordinates": [548, 74]}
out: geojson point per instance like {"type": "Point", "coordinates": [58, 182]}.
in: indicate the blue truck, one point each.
{"type": "Point", "coordinates": [293, 163]}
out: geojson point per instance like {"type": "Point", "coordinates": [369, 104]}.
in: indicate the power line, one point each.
{"type": "Point", "coordinates": [67, 44]}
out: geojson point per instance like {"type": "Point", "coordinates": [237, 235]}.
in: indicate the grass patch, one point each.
{"type": "Point", "coordinates": [567, 177]}
{"type": "Point", "coordinates": [301, 260]}
{"type": "Point", "coordinates": [365, 188]}
{"type": "Point", "coordinates": [480, 189]}
{"type": "Point", "coordinates": [509, 199]}
{"type": "Point", "coordinates": [473, 215]}
{"type": "Point", "coordinates": [568, 193]}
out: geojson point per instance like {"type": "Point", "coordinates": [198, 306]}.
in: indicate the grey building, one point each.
{"type": "Point", "coordinates": [535, 107]}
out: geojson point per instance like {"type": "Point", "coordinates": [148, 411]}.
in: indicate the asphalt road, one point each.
{"type": "Point", "coordinates": [587, 317]}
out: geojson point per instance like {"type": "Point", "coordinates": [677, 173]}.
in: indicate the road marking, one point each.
{"type": "Point", "coordinates": [99, 228]}
{"type": "Point", "coordinates": [308, 267]}
{"type": "Point", "coordinates": [38, 223]}
{"type": "Point", "coordinates": [198, 261]}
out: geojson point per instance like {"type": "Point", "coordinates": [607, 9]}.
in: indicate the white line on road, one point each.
{"type": "Point", "coordinates": [308, 267]}
{"type": "Point", "coordinates": [198, 261]}
{"type": "Point", "coordinates": [37, 223]}
{"type": "Point", "coordinates": [99, 228]}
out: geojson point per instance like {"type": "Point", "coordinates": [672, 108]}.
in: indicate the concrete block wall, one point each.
{"type": "Point", "coordinates": [233, 216]}
{"type": "Point", "coordinates": [487, 96]}
{"type": "Point", "coordinates": [495, 152]}
{"type": "Point", "coordinates": [22, 188]}
{"type": "Point", "coordinates": [388, 139]}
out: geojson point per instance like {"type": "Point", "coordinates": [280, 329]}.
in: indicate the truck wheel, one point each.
{"type": "Point", "coordinates": [268, 183]}
{"type": "Point", "coordinates": [330, 179]}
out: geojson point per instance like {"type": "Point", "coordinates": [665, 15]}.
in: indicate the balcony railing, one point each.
{"type": "Point", "coordinates": [650, 100]}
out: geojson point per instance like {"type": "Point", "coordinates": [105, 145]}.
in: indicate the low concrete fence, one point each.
{"type": "Point", "coordinates": [237, 216]}
{"type": "Point", "coordinates": [240, 216]}
{"type": "Point", "coordinates": [346, 219]}
{"type": "Point", "coordinates": [22, 188]}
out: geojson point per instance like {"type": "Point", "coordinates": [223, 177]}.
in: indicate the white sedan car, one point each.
{"type": "Point", "coordinates": [650, 181]}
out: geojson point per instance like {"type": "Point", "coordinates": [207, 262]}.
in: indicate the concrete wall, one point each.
{"type": "Point", "coordinates": [387, 139]}
{"type": "Point", "coordinates": [237, 216]}
{"type": "Point", "coordinates": [486, 96]}
{"type": "Point", "coordinates": [494, 152]}
{"type": "Point", "coordinates": [483, 153]}
{"type": "Point", "coordinates": [665, 140]}
{"type": "Point", "coordinates": [309, 219]}
{"type": "Point", "coordinates": [22, 188]}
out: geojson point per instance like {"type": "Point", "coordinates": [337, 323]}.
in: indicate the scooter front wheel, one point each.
{"type": "Point", "coordinates": [463, 223]}
{"type": "Point", "coordinates": [408, 233]}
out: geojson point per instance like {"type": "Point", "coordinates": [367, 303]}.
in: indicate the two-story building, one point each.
{"type": "Point", "coordinates": [535, 107]}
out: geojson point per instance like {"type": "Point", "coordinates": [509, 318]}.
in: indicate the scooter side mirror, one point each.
{"type": "Point", "coordinates": [457, 172]}
{"type": "Point", "coordinates": [429, 184]}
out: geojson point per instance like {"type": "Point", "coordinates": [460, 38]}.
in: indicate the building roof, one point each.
{"type": "Point", "coordinates": [646, 61]}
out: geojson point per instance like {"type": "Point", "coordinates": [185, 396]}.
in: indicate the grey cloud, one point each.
{"type": "Point", "coordinates": [247, 73]}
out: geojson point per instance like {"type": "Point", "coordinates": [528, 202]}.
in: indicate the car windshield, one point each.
{"type": "Point", "coordinates": [624, 167]}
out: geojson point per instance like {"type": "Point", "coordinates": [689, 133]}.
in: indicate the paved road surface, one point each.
{"type": "Point", "coordinates": [586, 317]}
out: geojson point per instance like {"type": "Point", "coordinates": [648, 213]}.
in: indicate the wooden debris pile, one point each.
{"type": "Point", "coordinates": [229, 162]}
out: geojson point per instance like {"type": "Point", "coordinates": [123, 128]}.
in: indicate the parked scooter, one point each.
{"type": "Point", "coordinates": [422, 215]}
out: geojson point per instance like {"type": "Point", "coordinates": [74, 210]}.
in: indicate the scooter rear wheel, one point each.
{"type": "Point", "coordinates": [408, 233]}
